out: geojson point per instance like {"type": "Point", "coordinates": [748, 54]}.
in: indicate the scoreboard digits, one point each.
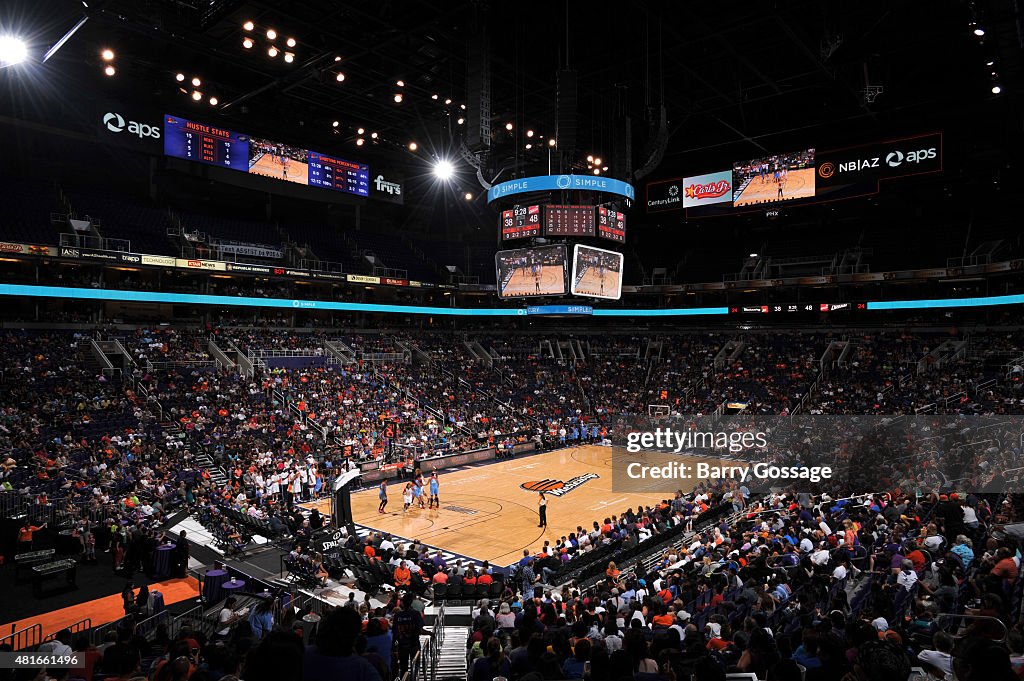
{"type": "Point", "coordinates": [520, 222]}
{"type": "Point", "coordinates": [339, 174]}
{"type": "Point", "coordinates": [611, 224]}
{"type": "Point", "coordinates": [207, 144]}
{"type": "Point", "coordinates": [569, 220]}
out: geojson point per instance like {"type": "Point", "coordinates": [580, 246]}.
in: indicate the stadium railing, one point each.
{"type": "Point", "coordinates": [29, 637]}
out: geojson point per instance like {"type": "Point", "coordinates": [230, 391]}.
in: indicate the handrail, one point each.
{"type": "Point", "coordinates": [77, 627]}
{"type": "Point", "coordinates": [973, 618]}
{"type": "Point", "coordinates": [23, 638]}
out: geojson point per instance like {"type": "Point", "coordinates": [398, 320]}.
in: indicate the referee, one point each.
{"type": "Point", "coordinates": [542, 508]}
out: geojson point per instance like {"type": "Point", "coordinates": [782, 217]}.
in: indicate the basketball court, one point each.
{"type": "Point", "coordinates": [487, 514]}
{"type": "Point", "coordinates": [271, 166]}
{"type": "Point", "coordinates": [590, 283]}
{"type": "Point", "coordinates": [798, 185]}
{"type": "Point", "coordinates": [523, 283]}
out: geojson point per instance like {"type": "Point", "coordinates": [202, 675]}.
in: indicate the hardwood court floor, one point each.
{"type": "Point", "coordinates": [593, 284]}
{"type": "Point", "coordinates": [267, 166]}
{"type": "Point", "coordinates": [552, 281]}
{"type": "Point", "coordinates": [486, 515]}
{"type": "Point", "coordinates": [799, 185]}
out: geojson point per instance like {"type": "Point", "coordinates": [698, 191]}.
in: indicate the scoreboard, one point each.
{"type": "Point", "coordinates": [521, 221]}
{"type": "Point", "coordinates": [568, 220]}
{"type": "Point", "coordinates": [204, 143]}
{"type": "Point", "coordinates": [338, 174]}
{"type": "Point", "coordinates": [611, 224]}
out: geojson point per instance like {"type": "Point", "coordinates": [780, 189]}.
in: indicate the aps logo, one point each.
{"type": "Point", "coordinates": [558, 488]}
{"type": "Point", "coordinates": [116, 123]}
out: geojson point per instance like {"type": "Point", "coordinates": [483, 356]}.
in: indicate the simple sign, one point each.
{"type": "Point", "coordinates": [550, 183]}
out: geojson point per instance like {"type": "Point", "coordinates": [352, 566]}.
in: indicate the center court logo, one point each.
{"type": "Point", "coordinates": [558, 488]}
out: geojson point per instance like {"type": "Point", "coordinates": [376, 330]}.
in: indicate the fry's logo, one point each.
{"type": "Point", "coordinates": [558, 488]}
{"type": "Point", "coordinates": [711, 190]}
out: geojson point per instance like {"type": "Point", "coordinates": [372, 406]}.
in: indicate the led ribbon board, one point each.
{"type": "Point", "coordinates": [550, 183]}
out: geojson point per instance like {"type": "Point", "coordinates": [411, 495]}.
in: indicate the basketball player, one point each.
{"type": "Point", "coordinates": [434, 490]}
{"type": "Point", "coordinates": [542, 509]}
{"type": "Point", "coordinates": [383, 493]}
{"type": "Point", "coordinates": [779, 182]}
{"type": "Point", "coordinates": [417, 491]}
{"type": "Point", "coordinates": [600, 274]}
{"type": "Point", "coordinates": [407, 497]}
{"type": "Point", "coordinates": [284, 168]}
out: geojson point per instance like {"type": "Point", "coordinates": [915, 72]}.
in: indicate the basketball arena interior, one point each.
{"type": "Point", "coordinates": [460, 341]}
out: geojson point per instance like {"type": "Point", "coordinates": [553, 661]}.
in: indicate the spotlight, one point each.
{"type": "Point", "coordinates": [990, 63]}
{"type": "Point", "coordinates": [597, 160]}
{"type": "Point", "coordinates": [197, 95]}
{"type": "Point", "coordinates": [338, 58]}
{"type": "Point", "coordinates": [433, 96]}
{"type": "Point", "coordinates": [461, 121]}
{"type": "Point", "coordinates": [248, 25]}
{"type": "Point", "coordinates": [462, 106]}
{"type": "Point", "coordinates": [107, 54]}
{"type": "Point", "coordinates": [400, 83]}
{"type": "Point", "coordinates": [290, 42]}
{"type": "Point", "coordinates": [271, 34]}
{"type": "Point", "coordinates": [996, 89]}
{"type": "Point", "coordinates": [551, 142]}
{"type": "Point", "coordinates": [110, 70]}
{"type": "Point", "coordinates": [752, 255]}
{"type": "Point", "coordinates": [360, 131]}
{"type": "Point", "coordinates": [443, 170]}
{"type": "Point", "coordinates": [373, 135]}
{"type": "Point", "coordinates": [214, 101]}
{"type": "Point", "coordinates": [604, 169]}
{"type": "Point", "coordinates": [247, 43]}
{"type": "Point", "coordinates": [447, 102]}
{"type": "Point", "coordinates": [597, 171]}
{"type": "Point", "coordinates": [12, 50]}
{"type": "Point", "coordinates": [180, 77]}
{"type": "Point", "coordinates": [590, 158]}
{"type": "Point", "coordinates": [413, 146]}
{"type": "Point", "coordinates": [289, 57]}
{"type": "Point", "coordinates": [335, 124]}
{"type": "Point", "coordinates": [529, 146]}
{"type": "Point", "coordinates": [360, 142]}
{"type": "Point", "coordinates": [196, 82]}
{"type": "Point", "coordinates": [508, 126]}
{"type": "Point", "coordinates": [272, 51]}
{"type": "Point", "coordinates": [398, 98]}
{"type": "Point", "coordinates": [529, 133]}
{"type": "Point", "coordinates": [979, 31]}
{"type": "Point", "coordinates": [340, 77]}
{"type": "Point", "coordinates": [468, 196]}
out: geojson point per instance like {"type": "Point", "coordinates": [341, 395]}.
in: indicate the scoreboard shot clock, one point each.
{"type": "Point", "coordinates": [520, 222]}
{"type": "Point", "coordinates": [611, 224]}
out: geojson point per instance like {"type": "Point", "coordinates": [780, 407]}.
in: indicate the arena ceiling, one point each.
{"type": "Point", "coordinates": [734, 78]}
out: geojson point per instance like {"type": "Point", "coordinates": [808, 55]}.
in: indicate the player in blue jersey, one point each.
{"type": "Point", "coordinates": [434, 490]}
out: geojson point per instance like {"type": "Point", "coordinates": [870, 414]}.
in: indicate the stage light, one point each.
{"type": "Point", "coordinates": [979, 31]}
{"type": "Point", "coordinates": [990, 63]}
{"type": "Point", "coordinates": [752, 255]}
{"type": "Point", "coordinates": [590, 159]}
{"type": "Point", "coordinates": [443, 170]}
{"type": "Point", "coordinates": [196, 82]}
{"type": "Point", "coordinates": [413, 146]}
{"type": "Point", "coordinates": [462, 106]}
{"type": "Point", "coordinates": [597, 171]}
{"type": "Point", "coordinates": [373, 135]}
{"type": "Point", "coordinates": [400, 83]}
{"type": "Point", "coordinates": [247, 43]}
{"type": "Point", "coordinates": [529, 133]}
{"type": "Point", "coordinates": [12, 50]}
{"type": "Point", "coordinates": [289, 57]}
{"type": "Point", "coordinates": [271, 34]}
{"type": "Point", "coordinates": [360, 141]}
{"type": "Point", "coordinates": [597, 160]}
{"type": "Point", "coordinates": [461, 121]}
{"type": "Point", "coordinates": [110, 70]}
{"type": "Point", "coordinates": [360, 131]}
{"type": "Point", "coordinates": [107, 54]}
{"type": "Point", "coordinates": [340, 77]}
{"type": "Point", "coordinates": [468, 196]}
{"type": "Point", "coordinates": [996, 89]}
{"type": "Point", "coordinates": [197, 95]}
{"type": "Point", "coordinates": [272, 51]}
{"type": "Point", "coordinates": [398, 98]}
{"type": "Point", "coordinates": [447, 102]}
{"type": "Point", "coordinates": [214, 101]}
{"type": "Point", "coordinates": [604, 169]}
{"type": "Point", "coordinates": [290, 42]}
{"type": "Point", "coordinates": [508, 126]}
{"type": "Point", "coordinates": [433, 96]}
{"type": "Point", "coordinates": [529, 146]}
{"type": "Point", "coordinates": [551, 142]}
{"type": "Point", "coordinates": [335, 124]}
{"type": "Point", "coordinates": [248, 25]}
{"type": "Point", "coordinates": [180, 77]}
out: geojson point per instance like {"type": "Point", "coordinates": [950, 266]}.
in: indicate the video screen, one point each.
{"type": "Point", "coordinates": [782, 177]}
{"type": "Point", "coordinates": [277, 160]}
{"type": "Point", "coordinates": [531, 272]}
{"type": "Point", "coordinates": [596, 273]}
{"type": "Point", "coordinates": [204, 143]}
